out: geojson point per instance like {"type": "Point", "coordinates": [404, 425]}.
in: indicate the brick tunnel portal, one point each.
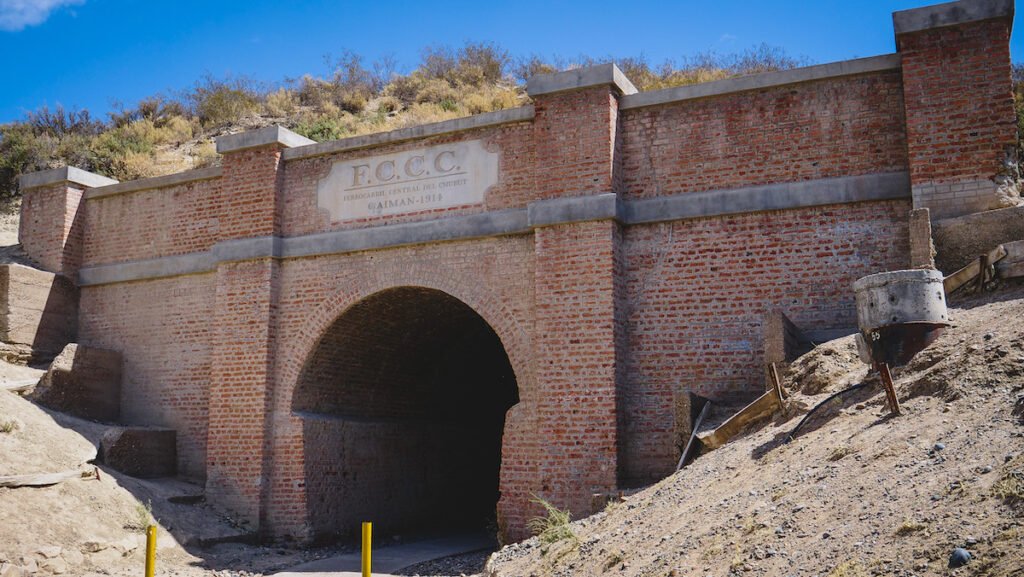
{"type": "Point", "coordinates": [403, 403]}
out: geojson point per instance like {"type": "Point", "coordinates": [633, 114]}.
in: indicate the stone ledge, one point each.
{"type": "Point", "coordinates": [487, 119]}
{"type": "Point", "coordinates": [789, 195]}
{"type": "Point", "coordinates": [763, 80]}
{"type": "Point", "coordinates": [950, 14]}
{"type": "Point", "coordinates": [261, 137]}
{"type": "Point", "coordinates": [65, 174]}
{"type": "Point", "coordinates": [573, 209]}
{"type": "Point", "coordinates": [155, 182]}
{"type": "Point", "coordinates": [600, 75]}
{"type": "Point", "coordinates": [866, 188]}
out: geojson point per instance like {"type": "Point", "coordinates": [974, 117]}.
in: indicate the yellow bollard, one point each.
{"type": "Point", "coordinates": [150, 550]}
{"type": "Point", "coordinates": [367, 538]}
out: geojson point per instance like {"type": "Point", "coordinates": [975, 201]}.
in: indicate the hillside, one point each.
{"type": "Point", "coordinates": [856, 493]}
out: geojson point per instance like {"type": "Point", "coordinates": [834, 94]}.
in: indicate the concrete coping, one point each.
{"type": "Point", "coordinates": [600, 75]}
{"type": "Point", "coordinates": [764, 80]}
{"type": "Point", "coordinates": [950, 14]}
{"type": "Point", "coordinates": [155, 182]}
{"type": "Point", "coordinates": [65, 174]}
{"type": "Point", "coordinates": [487, 119]}
{"type": "Point", "coordinates": [261, 137]}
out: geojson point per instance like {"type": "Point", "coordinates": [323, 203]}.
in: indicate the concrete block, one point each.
{"type": "Point", "coordinates": [143, 452]}
{"type": "Point", "coordinates": [950, 14]}
{"type": "Point", "coordinates": [83, 381]}
{"type": "Point", "coordinates": [600, 75]}
{"type": "Point", "coordinates": [922, 250]}
{"type": "Point", "coordinates": [38, 309]}
{"type": "Point", "coordinates": [68, 174]}
{"type": "Point", "coordinates": [261, 137]}
{"type": "Point", "coordinates": [958, 241]}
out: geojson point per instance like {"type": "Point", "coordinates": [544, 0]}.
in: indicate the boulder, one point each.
{"type": "Point", "coordinates": [38, 313]}
{"type": "Point", "coordinates": [83, 381]}
{"type": "Point", "coordinates": [143, 452]}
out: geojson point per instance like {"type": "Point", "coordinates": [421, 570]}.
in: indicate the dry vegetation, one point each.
{"type": "Point", "coordinates": [164, 134]}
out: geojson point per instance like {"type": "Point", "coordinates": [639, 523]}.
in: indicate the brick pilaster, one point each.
{"type": "Point", "coordinates": [961, 130]}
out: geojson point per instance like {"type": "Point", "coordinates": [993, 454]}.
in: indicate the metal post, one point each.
{"type": "Point", "coordinates": [890, 388]}
{"type": "Point", "coordinates": [367, 539]}
{"type": "Point", "coordinates": [150, 550]}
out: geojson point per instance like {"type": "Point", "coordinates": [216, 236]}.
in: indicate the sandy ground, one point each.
{"type": "Point", "coordinates": [857, 493]}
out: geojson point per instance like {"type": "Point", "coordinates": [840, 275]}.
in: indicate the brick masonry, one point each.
{"type": "Point", "coordinates": [544, 359]}
{"type": "Point", "coordinates": [960, 126]}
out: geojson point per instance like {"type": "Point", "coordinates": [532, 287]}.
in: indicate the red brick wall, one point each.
{"type": "Point", "coordinates": [515, 187]}
{"type": "Point", "coordinates": [697, 291]}
{"type": "Point", "coordinates": [828, 128]}
{"type": "Point", "coordinates": [240, 384]}
{"type": "Point", "coordinates": [153, 223]}
{"type": "Point", "coordinates": [574, 133]}
{"type": "Point", "coordinates": [162, 328]}
{"type": "Point", "coordinates": [576, 361]}
{"type": "Point", "coordinates": [960, 120]}
{"type": "Point", "coordinates": [50, 229]}
{"type": "Point", "coordinates": [493, 276]}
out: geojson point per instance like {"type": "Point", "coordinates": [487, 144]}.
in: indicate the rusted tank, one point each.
{"type": "Point", "coordinates": [899, 314]}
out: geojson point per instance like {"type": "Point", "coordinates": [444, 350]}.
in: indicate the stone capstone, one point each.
{"type": "Point", "coordinates": [83, 381]}
{"type": "Point", "coordinates": [143, 452]}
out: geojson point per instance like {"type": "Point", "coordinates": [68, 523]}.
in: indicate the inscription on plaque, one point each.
{"type": "Point", "coordinates": [411, 181]}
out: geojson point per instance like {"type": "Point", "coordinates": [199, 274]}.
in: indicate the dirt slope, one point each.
{"type": "Point", "coordinates": [857, 493]}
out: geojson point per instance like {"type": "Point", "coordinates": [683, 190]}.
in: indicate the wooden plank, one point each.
{"type": "Point", "coordinates": [1010, 269]}
{"type": "Point", "coordinates": [961, 277]}
{"type": "Point", "coordinates": [38, 480]}
{"type": "Point", "coordinates": [761, 409]}
{"type": "Point", "coordinates": [693, 435]}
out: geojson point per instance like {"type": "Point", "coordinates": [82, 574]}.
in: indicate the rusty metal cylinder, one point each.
{"type": "Point", "coordinates": [899, 314]}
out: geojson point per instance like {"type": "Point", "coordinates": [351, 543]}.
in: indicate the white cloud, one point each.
{"type": "Point", "coordinates": [723, 39]}
{"type": "Point", "coordinates": [17, 14]}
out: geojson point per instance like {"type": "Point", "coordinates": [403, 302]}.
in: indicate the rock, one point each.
{"type": "Point", "coordinates": [143, 452]}
{"type": "Point", "coordinates": [56, 566]}
{"type": "Point", "coordinates": [38, 310]}
{"type": "Point", "coordinates": [94, 546]}
{"type": "Point", "coordinates": [83, 381]}
{"type": "Point", "coordinates": [105, 558]}
{"type": "Point", "coordinates": [29, 564]}
{"type": "Point", "coordinates": [11, 570]}
{"type": "Point", "coordinates": [959, 557]}
{"type": "Point", "coordinates": [48, 552]}
{"type": "Point", "coordinates": [73, 557]}
{"type": "Point", "coordinates": [986, 469]}
{"type": "Point", "coordinates": [126, 546]}
{"type": "Point", "coordinates": [939, 446]}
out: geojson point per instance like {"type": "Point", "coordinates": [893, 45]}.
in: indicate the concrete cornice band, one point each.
{"type": "Point", "coordinates": [950, 14]}
{"type": "Point", "coordinates": [261, 137]}
{"type": "Point", "coordinates": [69, 174]}
{"type": "Point", "coordinates": [851, 189]}
{"type": "Point", "coordinates": [763, 80]}
{"type": "Point", "coordinates": [168, 181]}
{"type": "Point", "coordinates": [487, 119]}
{"type": "Point", "coordinates": [600, 75]}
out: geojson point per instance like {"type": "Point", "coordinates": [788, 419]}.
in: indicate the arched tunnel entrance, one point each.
{"type": "Point", "coordinates": [403, 402]}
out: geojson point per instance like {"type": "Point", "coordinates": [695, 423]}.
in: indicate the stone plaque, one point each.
{"type": "Point", "coordinates": [441, 176]}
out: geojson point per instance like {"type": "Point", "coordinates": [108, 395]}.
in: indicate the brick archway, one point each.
{"type": "Point", "coordinates": [403, 402]}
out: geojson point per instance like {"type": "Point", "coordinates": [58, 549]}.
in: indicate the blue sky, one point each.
{"type": "Point", "coordinates": [90, 53]}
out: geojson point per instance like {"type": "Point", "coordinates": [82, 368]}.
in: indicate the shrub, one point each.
{"type": "Point", "coordinates": [436, 91]}
{"type": "Point", "coordinates": [221, 102]}
{"type": "Point", "coordinates": [553, 526]}
{"type": "Point", "coordinates": [61, 122]}
{"type": "Point", "coordinates": [282, 103]}
{"type": "Point", "coordinates": [21, 151]}
{"type": "Point", "coordinates": [322, 128]}
{"type": "Point", "coordinates": [388, 104]}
